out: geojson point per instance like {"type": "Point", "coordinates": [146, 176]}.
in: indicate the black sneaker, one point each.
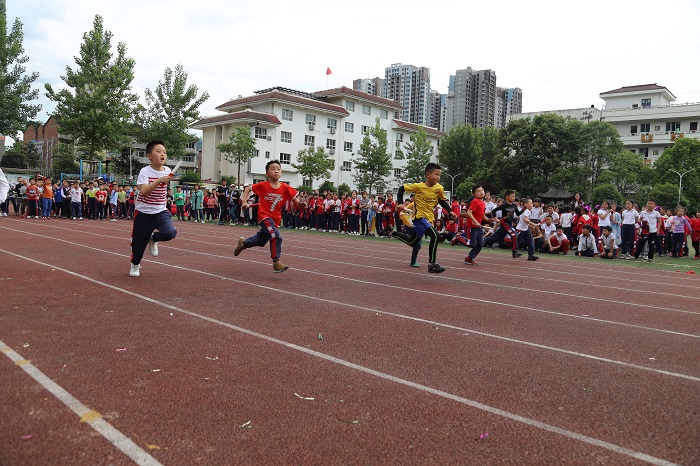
{"type": "Point", "coordinates": [435, 268]}
{"type": "Point", "coordinates": [532, 258]}
{"type": "Point", "coordinates": [516, 255]}
{"type": "Point", "coordinates": [388, 231]}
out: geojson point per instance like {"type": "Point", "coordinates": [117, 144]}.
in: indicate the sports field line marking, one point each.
{"type": "Point", "coordinates": [86, 415]}
{"type": "Point", "coordinates": [387, 313]}
{"type": "Point", "coordinates": [382, 375]}
{"type": "Point", "coordinates": [461, 280]}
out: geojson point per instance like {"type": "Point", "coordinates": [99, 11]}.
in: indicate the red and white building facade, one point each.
{"type": "Point", "coordinates": [284, 121]}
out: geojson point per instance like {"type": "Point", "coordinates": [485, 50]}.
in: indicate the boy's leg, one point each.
{"type": "Point", "coordinates": [275, 238]}
{"type": "Point", "coordinates": [141, 232]}
{"type": "Point", "coordinates": [163, 224]}
{"type": "Point", "coordinates": [651, 244]}
{"type": "Point", "coordinates": [477, 242]}
{"type": "Point", "coordinates": [259, 239]}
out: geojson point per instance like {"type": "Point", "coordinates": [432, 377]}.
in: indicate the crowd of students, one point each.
{"type": "Point", "coordinates": [606, 230]}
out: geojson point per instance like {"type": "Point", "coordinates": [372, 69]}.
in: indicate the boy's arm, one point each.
{"type": "Point", "coordinates": [470, 216]}
{"type": "Point", "coordinates": [147, 188]}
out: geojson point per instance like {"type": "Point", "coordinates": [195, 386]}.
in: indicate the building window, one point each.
{"type": "Point", "coordinates": [267, 154]}
{"type": "Point", "coordinates": [332, 123]}
{"type": "Point", "coordinates": [646, 103]}
{"type": "Point", "coordinates": [349, 106]}
{"type": "Point", "coordinates": [347, 166]}
{"type": "Point", "coordinates": [399, 137]}
{"type": "Point", "coordinates": [260, 133]}
{"type": "Point", "coordinates": [633, 129]}
{"type": "Point", "coordinates": [655, 152]}
{"type": "Point", "coordinates": [256, 153]}
{"type": "Point", "coordinates": [657, 128]}
{"type": "Point", "coordinates": [384, 114]}
{"type": "Point", "coordinates": [285, 159]}
{"type": "Point", "coordinates": [398, 154]}
{"type": "Point", "coordinates": [310, 119]}
{"type": "Point", "coordinates": [673, 126]}
{"type": "Point", "coordinates": [693, 126]}
{"type": "Point", "coordinates": [309, 140]}
{"type": "Point", "coordinates": [397, 173]}
{"type": "Point", "coordinates": [286, 136]}
{"type": "Point", "coordinates": [349, 127]}
{"type": "Point", "coordinates": [190, 145]}
{"type": "Point", "coordinates": [644, 127]}
{"type": "Point", "coordinates": [645, 152]}
{"type": "Point", "coordinates": [306, 182]}
{"type": "Point", "coordinates": [347, 146]}
{"type": "Point", "coordinates": [365, 130]}
{"type": "Point", "coordinates": [366, 110]}
{"type": "Point", "coordinates": [330, 144]}
{"type": "Point", "coordinates": [287, 114]}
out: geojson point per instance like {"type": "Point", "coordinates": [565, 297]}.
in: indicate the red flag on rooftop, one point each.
{"type": "Point", "coordinates": [328, 71]}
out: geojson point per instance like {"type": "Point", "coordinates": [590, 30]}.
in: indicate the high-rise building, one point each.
{"type": "Point", "coordinates": [509, 101]}
{"type": "Point", "coordinates": [373, 86]}
{"type": "Point", "coordinates": [409, 86]}
{"type": "Point", "coordinates": [437, 109]}
{"type": "Point", "coordinates": [471, 99]}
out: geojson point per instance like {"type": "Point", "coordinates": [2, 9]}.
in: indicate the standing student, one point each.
{"type": "Point", "coordinates": [629, 222]}
{"type": "Point", "coordinates": [695, 234]}
{"type": "Point", "coordinates": [427, 195]}
{"type": "Point", "coordinates": [152, 221]}
{"type": "Point", "coordinates": [524, 233]}
{"type": "Point", "coordinates": [113, 203]}
{"type": "Point", "coordinates": [197, 204]}
{"type": "Point", "coordinates": [32, 199]}
{"type": "Point", "coordinates": [76, 201]}
{"type": "Point", "coordinates": [651, 222]}
{"type": "Point", "coordinates": [222, 196]}
{"type": "Point", "coordinates": [680, 226]}
{"type": "Point", "coordinates": [272, 195]}
{"type": "Point", "coordinates": [179, 198]}
{"type": "Point", "coordinates": [475, 214]}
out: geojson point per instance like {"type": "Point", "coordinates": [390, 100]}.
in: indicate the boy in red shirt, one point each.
{"type": "Point", "coordinates": [476, 213]}
{"type": "Point", "coordinates": [32, 199]}
{"type": "Point", "coordinates": [272, 196]}
{"type": "Point", "coordinates": [101, 202]}
{"type": "Point", "coordinates": [695, 234]}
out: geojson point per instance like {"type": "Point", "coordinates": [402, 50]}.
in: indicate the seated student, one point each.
{"type": "Point", "coordinates": [558, 242]}
{"type": "Point", "coordinates": [450, 229]}
{"type": "Point", "coordinates": [586, 243]}
{"type": "Point", "coordinates": [547, 228]}
{"type": "Point", "coordinates": [607, 243]}
{"type": "Point", "coordinates": [462, 234]}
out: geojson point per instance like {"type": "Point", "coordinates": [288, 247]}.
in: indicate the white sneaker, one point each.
{"type": "Point", "coordinates": [203, 221]}
{"type": "Point", "coordinates": [74, 218]}
{"type": "Point", "coordinates": [153, 247]}
{"type": "Point", "coordinates": [113, 220]}
{"type": "Point", "coordinates": [134, 271]}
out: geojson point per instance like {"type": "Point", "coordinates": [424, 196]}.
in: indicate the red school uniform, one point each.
{"type": "Point", "coordinates": [478, 208]}
{"type": "Point", "coordinates": [695, 224]}
{"type": "Point", "coordinates": [272, 200]}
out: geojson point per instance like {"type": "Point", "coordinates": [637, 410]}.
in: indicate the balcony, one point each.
{"type": "Point", "coordinates": [662, 138]}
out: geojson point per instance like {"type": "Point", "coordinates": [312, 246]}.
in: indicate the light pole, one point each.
{"type": "Point", "coordinates": [452, 191]}
{"type": "Point", "coordinates": [680, 181]}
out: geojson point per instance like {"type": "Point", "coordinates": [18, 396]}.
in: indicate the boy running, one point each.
{"type": "Point", "coordinates": [272, 195]}
{"type": "Point", "coordinates": [426, 196]}
{"type": "Point", "coordinates": [152, 221]}
{"type": "Point", "coordinates": [476, 213]}
{"type": "Point", "coordinates": [508, 210]}
{"type": "Point", "coordinates": [524, 234]}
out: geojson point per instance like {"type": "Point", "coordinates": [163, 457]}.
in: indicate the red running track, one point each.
{"type": "Point", "coordinates": [351, 356]}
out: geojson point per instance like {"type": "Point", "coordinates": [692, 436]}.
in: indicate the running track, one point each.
{"type": "Point", "coordinates": [350, 357]}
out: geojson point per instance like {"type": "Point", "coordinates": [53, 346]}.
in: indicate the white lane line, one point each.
{"type": "Point", "coordinates": [455, 279]}
{"type": "Point", "coordinates": [87, 415]}
{"type": "Point", "coordinates": [387, 313]}
{"type": "Point", "coordinates": [382, 375]}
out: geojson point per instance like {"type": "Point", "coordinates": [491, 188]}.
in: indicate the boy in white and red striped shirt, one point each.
{"type": "Point", "coordinates": [152, 221]}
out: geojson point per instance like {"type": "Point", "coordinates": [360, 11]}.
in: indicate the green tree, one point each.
{"type": "Point", "coordinates": [65, 161]}
{"type": "Point", "coordinates": [98, 106]}
{"type": "Point", "coordinates": [15, 156]}
{"type": "Point", "coordinates": [682, 157]}
{"type": "Point", "coordinates": [605, 192]}
{"type": "Point", "coordinates": [170, 111]}
{"type": "Point", "coordinates": [666, 195]}
{"type": "Point", "coordinates": [305, 189]}
{"type": "Point", "coordinates": [313, 163]}
{"type": "Point", "coordinates": [418, 153]}
{"type": "Point", "coordinates": [240, 148]}
{"type": "Point", "coordinates": [327, 186]}
{"type": "Point", "coordinates": [191, 177]}
{"type": "Point", "coordinates": [15, 86]}
{"type": "Point", "coordinates": [126, 162]}
{"type": "Point", "coordinates": [344, 188]}
{"type": "Point", "coordinates": [600, 143]}
{"type": "Point", "coordinates": [460, 151]}
{"type": "Point", "coordinates": [374, 163]}
{"type": "Point", "coordinates": [626, 171]}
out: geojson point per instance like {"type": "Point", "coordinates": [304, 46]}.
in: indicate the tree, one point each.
{"type": "Point", "coordinates": [626, 171]}
{"type": "Point", "coordinates": [97, 108]}
{"type": "Point", "coordinates": [171, 109]}
{"type": "Point", "coordinates": [682, 157]}
{"type": "Point", "coordinates": [327, 186]}
{"type": "Point", "coordinates": [65, 160]}
{"type": "Point", "coordinates": [15, 86]}
{"type": "Point", "coordinates": [191, 177]}
{"type": "Point", "coordinates": [600, 143]}
{"type": "Point", "coordinates": [15, 156]}
{"type": "Point", "coordinates": [666, 195]}
{"type": "Point", "coordinates": [418, 153]}
{"type": "Point", "coordinates": [313, 163]}
{"type": "Point", "coordinates": [239, 149]}
{"type": "Point", "coordinates": [126, 163]}
{"type": "Point", "coordinates": [344, 188]}
{"type": "Point", "coordinates": [605, 192]}
{"type": "Point", "coordinates": [374, 163]}
{"type": "Point", "coordinates": [460, 151]}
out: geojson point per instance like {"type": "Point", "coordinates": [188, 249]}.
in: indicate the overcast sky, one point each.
{"type": "Point", "coordinates": [561, 54]}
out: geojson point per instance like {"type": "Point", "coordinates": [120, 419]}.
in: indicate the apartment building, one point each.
{"type": "Point", "coordinates": [409, 86]}
{"type": "Point", "coordinates": [471, 99]}
{"type": "Point", "coordinates": [284, 121]}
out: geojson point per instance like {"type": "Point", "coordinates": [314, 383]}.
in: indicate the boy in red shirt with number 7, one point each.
{"type": "Point", "coordinates": [475, 214]}
{"type": "Point", "coordinates": [272, 195]}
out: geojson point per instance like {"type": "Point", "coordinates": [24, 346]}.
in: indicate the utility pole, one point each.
{"type": "Point", "coordinates": [680, 181]}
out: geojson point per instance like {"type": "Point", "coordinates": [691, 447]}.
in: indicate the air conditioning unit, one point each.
{"type": "Point", "coordinates": [332, 151]}
{"type": "Point", "coordinates": [312, 126]}
{"type": "Point", "coordinates": [332, 129]}
{"type": "Point", "coordinates": [269, 138]}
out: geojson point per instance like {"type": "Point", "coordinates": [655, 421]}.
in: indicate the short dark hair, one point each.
{"type": "Point", "coordinates": [508, 192]}
{"type": "Point", "coordinates": [152, 144]}
{"type": "Point", "coordinates": [431, 167]}
{"type": "Point", "coordinates": [267, 165]}
{"type": "Point", "coordinates": [586, 227]}
{"type": "Point", "coordinates": [607, 228]}
{"type": "Point", "coordinates": [475, 187]}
